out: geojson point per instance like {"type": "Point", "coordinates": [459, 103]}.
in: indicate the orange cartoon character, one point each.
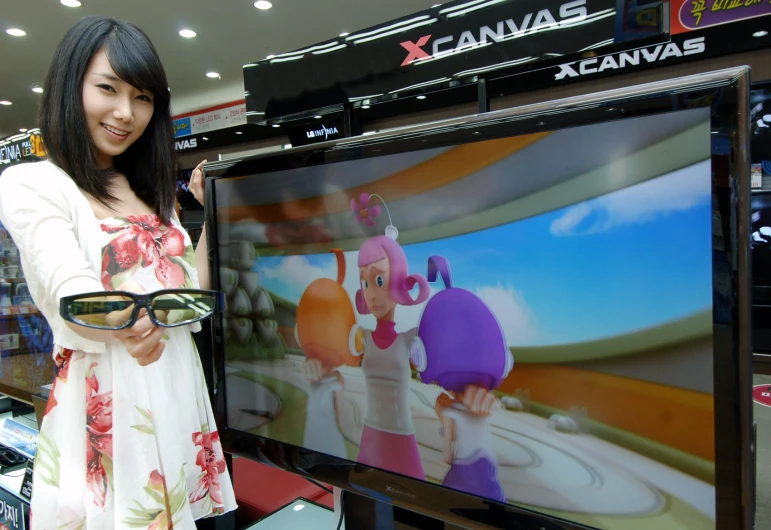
{"type": "Point", "coordinates": [327, 333]}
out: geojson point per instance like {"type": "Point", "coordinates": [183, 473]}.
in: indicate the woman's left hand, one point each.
{"type": "Point", "coordinates": [196, 185]}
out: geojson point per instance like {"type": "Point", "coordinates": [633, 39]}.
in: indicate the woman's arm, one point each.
{"type": "Point", "coordinates": [202, 250]}
{"type": "Point", "coordinates": [202, 261]}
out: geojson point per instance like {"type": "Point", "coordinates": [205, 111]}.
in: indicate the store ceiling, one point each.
{"type": "Point", "coordinates": [230, 33]}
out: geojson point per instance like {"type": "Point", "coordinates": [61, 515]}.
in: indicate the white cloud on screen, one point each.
{"type": "Point", "coordinates": [509, 307]}
{"type": "Point", "coordinates": [678, 191]}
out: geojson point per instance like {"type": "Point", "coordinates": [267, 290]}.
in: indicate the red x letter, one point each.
{"type": "Point", "coordinates": [414, 49]}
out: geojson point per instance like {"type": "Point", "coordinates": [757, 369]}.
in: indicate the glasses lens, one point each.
{"type": "Point", "coordinates": [176, 309]}
{"type": "Point", "coordinates": [107, 312]}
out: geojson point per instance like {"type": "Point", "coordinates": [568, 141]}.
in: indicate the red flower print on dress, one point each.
{"type": "Point", "coordinates": [211, 460]}
{"type": "Point", "coordinates": [98, 437]}
{"type": "Point", "coordinates": [62, 361]}
{"type": "Point", "coordinates": [146, 240]}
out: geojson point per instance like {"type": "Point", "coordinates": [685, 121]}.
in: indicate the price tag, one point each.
{"type": "Point", "coordinates": [26, 486]}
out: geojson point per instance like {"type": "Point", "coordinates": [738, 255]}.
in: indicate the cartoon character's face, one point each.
{"type": "Point", "coordinates": [375, 282]}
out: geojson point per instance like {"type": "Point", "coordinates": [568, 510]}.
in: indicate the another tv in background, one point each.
{"type": "Point", "coordinates": [506, 319]}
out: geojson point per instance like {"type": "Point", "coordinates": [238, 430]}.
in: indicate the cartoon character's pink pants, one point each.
{"type": "Point", "coordinates": [393, 452]}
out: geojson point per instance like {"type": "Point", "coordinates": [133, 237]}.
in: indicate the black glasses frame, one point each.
{"type": "Point", "coordinates": [139, 301]}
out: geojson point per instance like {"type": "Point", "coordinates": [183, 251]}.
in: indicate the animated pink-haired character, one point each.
{"type": "Point", "coordinates": [388, 440]}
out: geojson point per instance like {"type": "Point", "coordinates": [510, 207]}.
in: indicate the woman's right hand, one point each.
{"type": "Point", "coordinates": [143, 340]}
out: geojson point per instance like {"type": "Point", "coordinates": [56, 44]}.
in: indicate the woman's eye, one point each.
{"type": "Point", "coordinates": [106, 87]}
{"type": "Point", "coordinates": [380, 281]}
{"type": "Point", "coordinates": [364, 284]}
{"type": "Point", "coordinates": [145, 98]}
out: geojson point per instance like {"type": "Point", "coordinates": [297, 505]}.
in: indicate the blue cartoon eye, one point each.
{"type": "Point", "coordinates": [364, 284]}
{"type": "Point", "coordinates": [380, 281]}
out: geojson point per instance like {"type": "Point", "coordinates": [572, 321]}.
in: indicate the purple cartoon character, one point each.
{"type": "Point", "coordinates": [461, 347]}
{"type": "Point", "coordinates": [388, 439]}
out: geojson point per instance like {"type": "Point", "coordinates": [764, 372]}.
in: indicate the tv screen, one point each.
{"type": "Point", "coordinates": [761, 239]}
{"type": "Point", "coordinates": [527, 319]}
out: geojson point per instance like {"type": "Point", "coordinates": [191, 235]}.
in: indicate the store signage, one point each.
{"type": "Point", "coordinates": [616, 61]}
{"type": "Point", "coordinates": [16, 148]}
{"type": "Point", "coordinates": [181, 145]}
{"type": "Point", "coordinates": [311, 133]}
{"type": "Point", "coordinates": [689, 15]}
{"type": "Point", "coordinates": [325, 133]}
{"type": "Point", "coordinates": [444, 46]}
{"type": "Point", "coordinates": [761, 394]}
{"type": "Point", "coordinates": [230, 115]}
{"type": "Point", "coordinates": [13, 514]}
{"type": "Point", "coordinates": [568, 13]}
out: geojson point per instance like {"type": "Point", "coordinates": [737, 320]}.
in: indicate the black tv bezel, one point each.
{"type": "Point", "coordinates": [726, 92]}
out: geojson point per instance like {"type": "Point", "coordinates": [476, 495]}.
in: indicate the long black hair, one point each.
{"type": "Point", "coordinates": [149, 163]}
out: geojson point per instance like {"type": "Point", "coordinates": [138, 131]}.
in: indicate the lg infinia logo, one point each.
{"type": "Point", "coordinates": [624, 59]}
{"type": "Point", "coordinates": [572, 12]}
{"type": "Point", "coordinates": [326, 133]}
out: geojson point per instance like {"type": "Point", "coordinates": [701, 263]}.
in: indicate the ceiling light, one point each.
{"type": "Point", "coordinates": [6, 103]}
{"type": "Point", "coordinates": [22, 130]}
{"type": "Point", "coordinates": [761, 33]}
{"type": "Point", "coordinates": [37, 89]}
{"type": "Point", "coordinates": [317, 116]}
{"type": "Point", "coordinates": [263, 4]}
{"type": "Point", "coordinates": [239, 132]}
{"type": "Point", "coordinates": [344, 34]}
{"type": "Point", "coordinates": [276, 125]}
{"type": "Point", "coordinates": [287, 146]}
{"type": "Point", "coordinates": [365, 106]}
{"type": "Point", "coordinates": [188, 33]}
{"type": "Point", "coordinates": [213, 75]}
{"type": "Point", "coordinates": [421, 97]}
{"type": "Point", "coordinates": [204, 138]}
{"type": "Point", "coordinates": [16, 32]}
{"type": "Point", "coordinates": [70, 3]}
{"type": "Point", "coordinates": [298, 507]}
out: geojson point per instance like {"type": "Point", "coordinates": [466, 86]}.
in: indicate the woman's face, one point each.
{"type": "Point", "coordinates": [116, 113]}
{"type": "Point", "coordinates": [375, 281]}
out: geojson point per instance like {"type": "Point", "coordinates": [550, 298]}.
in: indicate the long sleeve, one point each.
{"type": "Point", "coordinates": [36, 209]}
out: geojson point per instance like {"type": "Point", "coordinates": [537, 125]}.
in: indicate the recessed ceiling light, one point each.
{"type": "Point", "coordinates": [204, 138]}
{"type": "Point", "coordinates": [263, 4]}
{"type": "Point", "coordinates": [276, 125]}
{"type": "Point", "coordinates": [188, 33]}
{"type": "Point", "coordinates": [213, 75]}
{"type": "Point", "coordinates": [70, 3]}
{"type": "Point", "coordinates": [270, 57]}
{"type": "Point", "coordinates": [761, 33]}
{"type": "Point", "coordinates": [365, 106]}
{"type": "Point", "coordinates": [22, 130]}
{"type": "Point", "coordinates": [16, 32]}
{"type": "Point", "coordinates": [37, 89]}
{"type": "Point", "coordinates": [239, 132]}
{"type": "Point", "coordinates": [421, 97]}
{"type": "Point", "coordinates": [6, 103]}
{"type": "Point", "coordinates": [317, 116]}
{"type": "Point", "coordinates": [344, 34]}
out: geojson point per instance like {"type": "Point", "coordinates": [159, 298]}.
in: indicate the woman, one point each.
{"type": "Point", "coordinates": [128, 439]}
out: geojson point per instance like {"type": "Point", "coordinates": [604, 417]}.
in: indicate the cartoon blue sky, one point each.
{"type": "Point", "coordinates": [625, 261]}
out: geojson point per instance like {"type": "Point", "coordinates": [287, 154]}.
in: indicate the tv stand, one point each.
{"type": "Point", "coordinates": [364, 513]}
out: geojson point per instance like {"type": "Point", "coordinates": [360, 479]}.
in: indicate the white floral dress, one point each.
{"type": "Point", "coordinates": [124, 446]}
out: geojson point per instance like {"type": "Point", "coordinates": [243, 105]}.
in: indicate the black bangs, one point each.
{"type": "Point", "coordinates": [149, 164]}
{"type": "Point", "coordinates": [134, 59]}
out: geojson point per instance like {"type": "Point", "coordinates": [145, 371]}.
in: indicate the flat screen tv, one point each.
{"type": "Point", "coordinates": [531, 318]}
